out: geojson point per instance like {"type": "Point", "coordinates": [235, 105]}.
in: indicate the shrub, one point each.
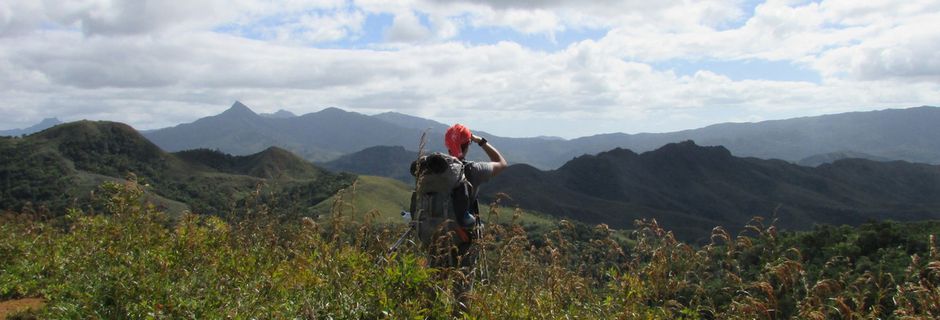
{"type": "Point", "coordinates": [132, 261]}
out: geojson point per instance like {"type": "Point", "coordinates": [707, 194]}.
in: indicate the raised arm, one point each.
{"type": "Point", "coordinates": [497, 160]}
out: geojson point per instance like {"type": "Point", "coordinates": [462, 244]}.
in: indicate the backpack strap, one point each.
{"type": "Point", "coordinates": [474, 204]}
{"type": "Point", "coordinates": [460, 197]}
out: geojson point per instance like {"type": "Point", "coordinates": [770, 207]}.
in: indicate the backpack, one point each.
{"type": "Point", "coordinates": [442, 202]}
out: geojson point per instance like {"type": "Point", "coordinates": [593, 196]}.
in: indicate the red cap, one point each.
{"type": "Point", "coordinates": [455, 137]}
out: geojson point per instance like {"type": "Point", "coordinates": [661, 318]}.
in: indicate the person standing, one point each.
{"type": "Point", "coordinates": [449, 236]}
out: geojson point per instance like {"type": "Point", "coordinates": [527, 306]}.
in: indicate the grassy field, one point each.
{"type": "Point", "coordinates": [383, 199]}
{"type": "Point", "coordinates": [133, 261]}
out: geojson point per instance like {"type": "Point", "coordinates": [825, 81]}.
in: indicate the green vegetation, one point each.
{"type": "Point", "coordinates": [30, 173]}
{"type": "Point", "coordinates": [61, 167]}
{"type": "Point", "coordinates": [131, 261]}
{"type": "Point", "coordinates": [99, 222]}
{"type": "Point", "coordinates": [383, 161]}
{"type": "Point", "coordinates": [381, 200]}
{"type": "Point", "coordinates": [690, 188]}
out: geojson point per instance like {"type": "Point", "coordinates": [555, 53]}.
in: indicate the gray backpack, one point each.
{"type": "Point", "coordinates": [442, 202]}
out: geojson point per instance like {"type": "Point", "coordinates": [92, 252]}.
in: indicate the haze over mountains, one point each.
{"type": "Point", "coordinates": [894, 134]}
{"type": "Point", "coordinates": [42, 125]}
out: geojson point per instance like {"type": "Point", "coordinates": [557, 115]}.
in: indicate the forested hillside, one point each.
{"type": "Point", "coordinates": [63, 166]}
{"type": "Point", "coordinates": [690, 189]}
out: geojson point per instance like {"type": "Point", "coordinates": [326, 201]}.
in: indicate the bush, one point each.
{"type": "Point", "coordinates": [131, 261]}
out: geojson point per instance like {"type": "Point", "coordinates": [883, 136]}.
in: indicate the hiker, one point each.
{"type": "Point", "coordinates": [458, 139]}
{"type": "Point", "coordinates": [445, 201]}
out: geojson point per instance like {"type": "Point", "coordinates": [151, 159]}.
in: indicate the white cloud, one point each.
{"type": "Point", "coordinates": [19, 17]}
{"type": "Point", "coordinates": [572, 13]}
{"type": "Point", "coordinates": [910, 52]}
{"type": "Point", "coordinates": [777, 31]}
{"type": "Point", "coordinates": [873, 12]}
{"type": "Point", "coordinates": [860, 40]}
{"type": "Point", "coordinates": [407, 28]}
{"type": "Point", "coordinates": [115, 17]}
{"type": "Point", "coordinates": [152, 64]}
{"type": "Point", "coordinates": [324, 28]}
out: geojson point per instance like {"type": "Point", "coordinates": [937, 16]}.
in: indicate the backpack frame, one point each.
{"type": "Point", "coordinates": [436, 212]}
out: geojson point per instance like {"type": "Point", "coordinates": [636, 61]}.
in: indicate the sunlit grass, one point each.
{"type": "Point", "coordinates": [134, 262]}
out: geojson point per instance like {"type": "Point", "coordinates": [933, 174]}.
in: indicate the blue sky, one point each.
{"type": "Point", "coordinates": [554, 42]}
{"type": "Point", "coordinates": [521, 68]}
{"type": "Point", "coordinates": [375, 25]}
{"type": "Point", "coordinates": [751, 69]}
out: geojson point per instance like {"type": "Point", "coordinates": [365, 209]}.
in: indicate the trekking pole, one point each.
{"type": "Point", "coordinates": [411, 228]}
{"type": "Point", "coordinates": [481, 259]}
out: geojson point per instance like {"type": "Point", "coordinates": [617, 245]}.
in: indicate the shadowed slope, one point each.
{"type": "Point", "coordinates": [686, 186]}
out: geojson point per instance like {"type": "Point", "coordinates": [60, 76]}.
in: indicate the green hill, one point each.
{"type": "Point", "coordinates": [691, 189]}
{"type": "Point", "coordinates": [272, 163]}
{"type": "Point", "coordinates": [384, 161]}
{"type": "Point", "coordinates": [381, 200]}
{"type": "Point", "coordinates": [384, 196]}
{"type": "Point", "coordinates": [61, 166]}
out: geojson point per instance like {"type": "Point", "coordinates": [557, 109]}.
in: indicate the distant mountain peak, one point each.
{"type": "Point", "coordinates": [550, 138]}
{"type": "Point", "coordinates": [409, 121]}
{"type": "Point", "coordinates": [831, 157]}
{"type": "Point", "coordinates": [685, 151]}
{"type": "Point", "coordinates": [329, 110]}
{"type": "Point", "coordinates": [239, 104]}
{"type": "Point", "coordinates": [690, 153]}
{"type": "Point", "coordinates": [42, 125]}
{"type": "Point", "coordinates": [280, 114]}
{"type": "Point", "coordinates": [619, 152]}
{"type": "Point", "coordinates": [49, 122]}
{"type": "Point", "coordinates": [239, 108]}
{"type": "Point", "coordinates": [392, 113]}
{"type": "Point", "coordinates": [690, 146]}
{"type": "Point", "coordinates": [336, 114]}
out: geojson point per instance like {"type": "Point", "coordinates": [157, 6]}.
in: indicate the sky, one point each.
{"type": "Point", "coordinates": [511, 68]}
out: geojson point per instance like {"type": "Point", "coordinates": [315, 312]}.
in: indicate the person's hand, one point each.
{"type": "Point", "coordinates": [475, 138]}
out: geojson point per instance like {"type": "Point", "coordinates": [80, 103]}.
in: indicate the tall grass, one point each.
{"type": "Point", "coordinates": [132, 261]}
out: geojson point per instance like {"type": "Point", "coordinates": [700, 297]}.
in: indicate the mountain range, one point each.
{"type": "Point", "coordinates": [319, 136]}
{"type": "Point", "coordinates": [894, 134]}
{"type": "Point", "coordinates": [687, 187]}
{"type": "Point", "coordinates": [690, 188]}
{"type": "Point", "coordinates": [383, 161]}
{"type": "Point", "coordinates": [62, 166]}
{"type": "Point", "coordinates": [42, 125]}
{"type": "Point", "coordinates": [820, 159]}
